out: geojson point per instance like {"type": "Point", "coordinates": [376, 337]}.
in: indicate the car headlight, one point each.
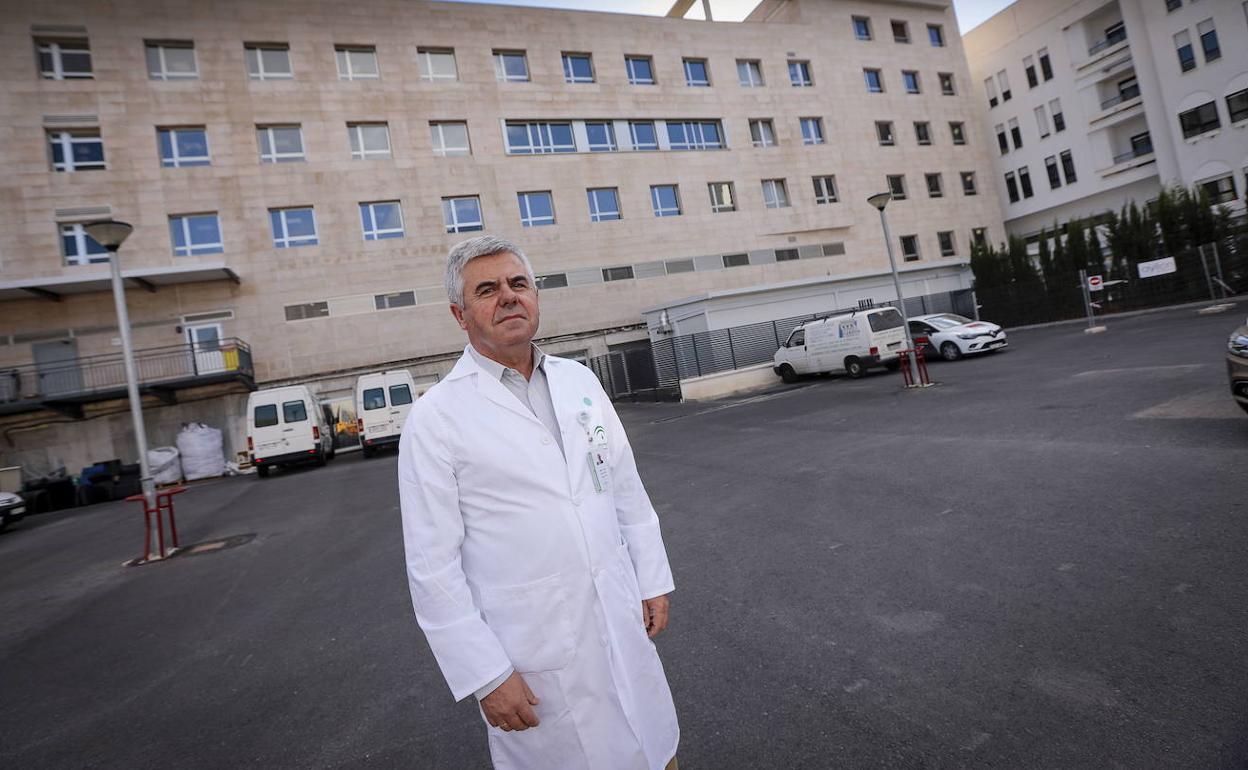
{"type": "Point", "coordinates": [967, 336]}
{"type": "Point", "coordinates": [1238, 344]}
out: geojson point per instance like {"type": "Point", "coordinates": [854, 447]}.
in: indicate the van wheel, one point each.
{"type": "Point", "coordinates": [262, 471]}
{"type": "Point", "coordinates": [854, 367]}
{"type": "Point", "coordinates": [787, 374]}
{"type": "Point", "coordinates": [950, 351]}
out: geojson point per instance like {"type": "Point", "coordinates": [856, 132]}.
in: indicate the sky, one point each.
{"type": "Point", "coordinates": [970, 12]}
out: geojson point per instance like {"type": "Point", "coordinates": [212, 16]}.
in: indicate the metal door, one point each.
{"type": "Point", "coordinates": [57, 366]}
{"type": "Point", "coordinates": [205, 342]}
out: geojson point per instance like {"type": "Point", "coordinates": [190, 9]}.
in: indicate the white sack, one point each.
{"type": "Point", "coordinates": [203, 454]}
{"type": "Point", "coordinates": [165, 465]}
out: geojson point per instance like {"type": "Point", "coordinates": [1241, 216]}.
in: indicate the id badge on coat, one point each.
{"type": "Point", "coordinates": [599, 460]}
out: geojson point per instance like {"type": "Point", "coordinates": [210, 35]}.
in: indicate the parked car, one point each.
{"type": "Point", "coordinates": [382, 401]}
{"type": "Point", "coordinates": [287, 426]}
{"type": "Point", "coordinates": [12, 508]}
{"type": "Point", "coordinates": [952, 336]}
{"type": "Point", "coordinates": [1237, 365]}
{"type": "Point", "coordinates": [850, 343]}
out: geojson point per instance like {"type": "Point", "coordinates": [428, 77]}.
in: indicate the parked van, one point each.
{"type": "Point", "coordinates": [849, 343]}
{"type": "Point", "coordinates": [382, 401]}
{"type": "Point", "coordinates": [287, 426]}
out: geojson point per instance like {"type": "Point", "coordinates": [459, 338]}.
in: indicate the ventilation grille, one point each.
{"type": "Point", "coordinates": [84, 212]}
{"type": "Point", "coordinates": [71, 120]}
{"type": "Point", "coordinates": [53, 30]}
{"type": "Point", "coordinates": [218, 315]}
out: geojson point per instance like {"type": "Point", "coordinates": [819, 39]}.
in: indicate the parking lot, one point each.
{"type": "Point", "coordinates": [1037, 563]}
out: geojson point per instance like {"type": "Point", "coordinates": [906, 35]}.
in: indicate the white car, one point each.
{"type": "Point", "coordinates": [953, 336]}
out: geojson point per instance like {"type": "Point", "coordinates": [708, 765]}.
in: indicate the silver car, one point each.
{"type": "Point", "coordinates": [1237, 365]}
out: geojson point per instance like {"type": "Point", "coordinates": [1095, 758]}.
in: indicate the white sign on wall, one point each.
{"type": "Point", "coordinates": [1157, 267]}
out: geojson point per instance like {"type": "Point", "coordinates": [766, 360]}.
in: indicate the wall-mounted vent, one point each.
{"type": "Point", "coordinates": [84, 212]}
{"type": "Point", "coordinates": [62, 121]}
{"type": "Point", "coordinates": [61, 30]}
{"type": "Point", "coordinates": [216, 315]}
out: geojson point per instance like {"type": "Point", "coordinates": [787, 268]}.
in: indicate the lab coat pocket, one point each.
{"type": "Point", "coordinates": [532, 622]}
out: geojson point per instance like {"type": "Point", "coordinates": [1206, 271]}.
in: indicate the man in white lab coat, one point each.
{"type": "Point", "coordinates": [534, 557]}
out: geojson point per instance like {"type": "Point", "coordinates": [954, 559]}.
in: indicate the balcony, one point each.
{"type": "Point", "coordinates": [66, 386]}
{"type": "Point", "coordinates": [1139, 151]}
{"type": "Point", "coordinates": [1113, 37]}
{"type": "Point", "coordinates": [1130, 92]}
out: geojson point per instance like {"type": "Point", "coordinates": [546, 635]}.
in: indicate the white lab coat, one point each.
{"type": "Point", "coordinates": [515, 560]}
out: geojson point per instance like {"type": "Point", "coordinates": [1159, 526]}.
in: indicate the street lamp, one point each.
{"type": "Point", "coordinates": [110, 234]}
{"type": "Point", "coordinates": [880, 200]}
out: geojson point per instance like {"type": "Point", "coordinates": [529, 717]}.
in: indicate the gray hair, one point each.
{"type": "Point", "coordinates": [466, 251]}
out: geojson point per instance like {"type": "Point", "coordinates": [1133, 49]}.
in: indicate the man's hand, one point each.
{"type": "Point", "coordinates": [654, 613]}
{"type": "Point", "coordinates": [510, 706]}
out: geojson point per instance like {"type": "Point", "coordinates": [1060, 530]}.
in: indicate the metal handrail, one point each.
{"type": "Point", "coordinates": [1113, 39]}
{"type": "Point", "coordinates": [1134, 152]}
{"type": "Point", "coordinates": [1130, 92]}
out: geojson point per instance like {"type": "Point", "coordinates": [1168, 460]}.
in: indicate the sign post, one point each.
{"type": "Point", "coordinates": [1088, 284]}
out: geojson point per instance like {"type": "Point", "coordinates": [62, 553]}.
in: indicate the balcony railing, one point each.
{"type": "Point", "coordinates": [94, 378]}
{"type": "Point", "coordinates": [1138, 151]}
{"type": "Point", "coordinates": [1130, 92]}
{"type": "Point", "coordinates": [1114, 38]}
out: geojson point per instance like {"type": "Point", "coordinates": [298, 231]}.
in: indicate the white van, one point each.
{"type": "Point", "coordinates": [382, 401]}
{"type": "Point", "coordinates": [849, 343]}
{"type": "Point", "coordinates": [287, 426]}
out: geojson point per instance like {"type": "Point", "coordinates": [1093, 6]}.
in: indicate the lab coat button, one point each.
{"type": "Point", "coordinates": [576, 501]}
{"type": "Point", "coordinates": [545, 439]}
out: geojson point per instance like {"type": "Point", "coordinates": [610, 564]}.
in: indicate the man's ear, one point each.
{"type": "Point", "coordinates": [458, 312]}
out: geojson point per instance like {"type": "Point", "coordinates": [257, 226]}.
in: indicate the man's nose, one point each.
{"type": "Point", "coordinates": [508, 295]}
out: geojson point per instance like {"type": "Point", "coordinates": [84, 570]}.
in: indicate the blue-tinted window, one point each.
{"type": "Point", "coordinates": [194, 234]}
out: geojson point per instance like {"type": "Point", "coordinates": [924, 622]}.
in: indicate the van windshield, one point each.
{"type": "Point", "coordinates": [374, 398]}
{"type": "Point", "coordinates": [266, 415]}
{"type": "Point", "coordinates": [400, 395]}
{"type": "Point", "coordinates": [294, 411]}
{"type": "Point", "coordinates": [885, 319]}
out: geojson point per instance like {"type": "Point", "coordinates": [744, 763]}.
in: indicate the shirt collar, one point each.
{"type": "Point", "coordinates": [497, 370]}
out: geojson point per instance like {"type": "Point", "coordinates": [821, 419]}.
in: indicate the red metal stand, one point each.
{"type": "Point", "coordinates": [164, 503]}
{"type": "Point", "coordinates": [920, 363]}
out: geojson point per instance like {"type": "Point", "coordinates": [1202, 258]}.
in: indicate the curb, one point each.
{"type": "Point", "coordinates": [1130, 313]}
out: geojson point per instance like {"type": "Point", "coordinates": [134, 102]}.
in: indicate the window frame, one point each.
{"type": "Point", "coordinates": [868, 73]}
{"type": "Point", "coordinates": [501, 58]}
{"type": "Point", "coordinates": [957, 132]}
{"type": "Point", "coordinates": [884, 133]}
{"type": "Point", "coordinates": [632, 136]}
{"type": "Point", "coordinates": [261, 73]}
{"type": "Point", "coordinates": [658, 208]}
{"type": "Point", "coordinates": [914, 255]}
{"type": "Point", "coordinates": [938, 40]}
{"type": "Point", "coordinates": [861, 26]}
{"type": "Point", "coordinates": [355, 141]}
{"type": "Point", "coordinates": [191, 249]}
{"type": "Point", "coordinates": [968, 189]}
{"type": "Point", "coordinates": [904, 37]}
{"type": "Point", "coordinates": [759, 138]}
{"type": "Point", "coordinates": [1210, 34]}
{"type": "Point", "coordinates": [56, 48]}
{"type": "Point", "coordinates": [753, 73]}
{"type": "Point", "coordinates": [566, 58]}
{"type": "Point", "coordinates": [909, 77]}
{"type": "Point", "coordinates": [273, 157]}
{"type": "Point", "coordinates": [1068, 167]}
{"type": "Point", "coordinates": [66, 139]}
{"type": "Point", "coordinates": [923, 133]}
{"type": "Point", "coordinates": [377, 233]}
{"type": "Point", "coordinates": [285, 240]}
{"type": "Point", "coordinates": [937, 191]}
{"type": "Point", "coordinates": [897, 190]}
{"type": "Point", "coordinates": [596, 212]}
{"type": "Point", "coordinates": [611, 145]}
{"type": "Point", "coordinates": [450, 215]}
{"type": "Point", "coordinates": [544, 136]}
{"type": "Point", "coordinates": [437, 129]}
{"type": "Point", "coordinates": [177, 159]}
{"type": "Point", "coordinates": [779, 198]}
{"type": "Point", "coordinates": [697, 141]}
{"type": "Point", "coordinates": [816, 136]}
{"type": "Point", "coordinates": [1237, 114]}
{"type": "Point", "coordinates": [941, 237]}
{"type": "Point", "coordinates": [424, 64]}
{"type": "Point", "coordinates": [629, 69]}
{"type": "Point", "coordinates": [825, 189]}
{"type": "Point", "coordinates": [527, 217]}
{"type": "Point", "coordinates": [719, 206]}
{"type": "Point", "coordinates": [342, 54]}
{"type": "Point", "coordinates": [800, 73]}
{"type": "Point", "coordinates": [686, 62]}
{"type": "Point", "coordinates": [159, 47]}
{"type": "Point", "coordinates": [948, 84]}
{"type": "Point", "coordinates": [83, 252]}
{"type": "Point", "coordinates": [1205, 126]}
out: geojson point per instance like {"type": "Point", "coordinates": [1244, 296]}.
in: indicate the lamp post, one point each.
{"type": "Point", "coordinates": [880, 200]}
{"type": "Point", "coordinates": [110, 234]}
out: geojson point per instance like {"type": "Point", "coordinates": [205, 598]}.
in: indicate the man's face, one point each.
{"type": "Point", "coordinates": [500, 303]}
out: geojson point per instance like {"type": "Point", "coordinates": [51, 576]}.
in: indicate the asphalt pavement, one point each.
{"type": "Point", "coordinates": [1037, 563]}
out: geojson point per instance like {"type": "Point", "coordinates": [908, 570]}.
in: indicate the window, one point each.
{"type": "Point", "coordinates": [1068, 167]}
{"type": "Point", "coordinates": [990, 88]}
{"type": "Point", "coordinates": [1003, 80]}
{"type": "Point", "coordinates": [675, 266]}
{"type": "Point", "coordinates": [694, 135]}
{"type": "Point", "coordinates": [910, 248]}
{"type": "Point", "coordinates": [1173, 5]}
{"type": "Point", "coordinates": [391, 301]}
{"type": "Point", "coordinates": [280, 144]}
{"type": "Point", "coordinates": [762, 133]}
{"type": "Point", "coordinates": [1209, 40]}
{"type": "Point", "coordinates": [812, 130]}
{"type": "Point", "coordinates": [539, 138]}
{"type": "Point", "coordinates": [1237, 106]}
{"type": "Point", "coordinates": [601, 135]}
{"type": "Point", "coordinates": [1024, 182]}
{"type": "Point", "coordinates": [935, 185]}
{"type": "Point", "coordinates": [643, 135]}
{"type": "Point", "coordinates": [1183, 46]}
{"type": "Point", "coordinates": [449, 138]}
{"type": "Point", "coordinates": [1016, 134]}
{"type": "Point", "coordinates": [78, 248]}
{"type": "Point", "coordinates": [979, 235]}
{"type": "Point", "coordinates": [578, 68]}
{"type": "Point", "coordinates": [799, 74]}
{"type": "Point", "coordinates": [181, 147]}
{"type": "Point", "coordinates": [884, 132]}
{"type": "Point", "coordinates": [1029, 68]}
{"type": "Point", "coordinates": [437, 64]}
{"type": "Point", "coordinates": [901, 31]}
{"type": "Point", "coordinates": [1141, 144]}
{"type": "Point", "coordinates": [936, 35]}
{"type": "Point", "coordinates": [294, 411]}
{"type": "Point", "coordinates": [268, 61]}
{"type": "Point", "coordinates": [171, 61]}
{"type": "Point", "coordinates": [1003, 142]}
{"type": "Point", "coordinates": [862, 28]}
{"type": "Point", "coordinates": [897, 186]}
{"type": "Point", "coordinates": [617, 273]}
{"type": "Point", "coordinates": [79, 150]}
{"type": "Point", "coordinates": [357, 62]}
{"type": "Point", "coordinates": [696, 73]}
{"type": "Point", "coordinates": [195, 234]}
{"type": "Point", "coordinates": [1200, 120]}
{"type": "Point", "coordinates": [640, 70]}
{"type": "Point", "coordinates": [957, 131]}
{"type": "Point", "coordinates": [786, 255]}
{"type": "Point", "coordinates": [1050, 168]}
{"type": "Point", "coordinates": [665, 200]}
{"type": "Point", "coordinates": [1219, 190]}
{"type": "Point", "coordinates": [875, 82]}
{"type": "Point", "coordinates": [968, 183]}
{"type": "Point", "coordinates": [462, 214]}
{"type": "Point", "coordinates": [947, 248]}
{"type": "Point", "coordinates": [1046, 66]}
{"type": "Point", "coordinates": [825, 189]}
{"type": "Point", "coordinates": [946, 83]}
{"type": "Point", "coordinates": [1059, 122]}
{"type": "Point", "coordinates": [296, 313]}
{"type": "Point", "coordinates": [511, 66]}
{"type": "Point", "coordinates": [736, 260]}
{"type": "Point", "coordinates": [537, 209]}
{"type": "Point", "coordinates": [293, 227]}
{"type": "Point", "coordinates": [383, 219]}
{"type": "Point", "coordinates": [750, 73]}
{"type": "Point", "coordinates": [265, 415]}
{"type": "Point", "coordinates": [775, 194]}
{"type": "Point", "coordinates": [64, 59]}
{"type": "Point", "coordinates": [1011, 186]}
{"type": "Point", "coordinates": [723, 197]}
{"type": "Point", "coordinates": [1042, 122]}
{"type": "Point", "coordinates": [369, 141]}
{"type": "Point", "coordinates": [910, 79]}
{"type": "Point", "coordinates": [923, 132]}
{"type": "Point", "coordinates": [604, 204]}
{"type": "Point", "coordinates": [552, 281]}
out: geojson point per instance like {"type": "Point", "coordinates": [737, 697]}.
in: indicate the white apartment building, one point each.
{"type": "Point", "coordinates": [1094, 103]}
{"type": "Point", "coordinates": [297, 172]}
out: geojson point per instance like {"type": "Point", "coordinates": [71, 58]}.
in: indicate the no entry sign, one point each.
{"type": "Point", "coordinates": [1095, 283]}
